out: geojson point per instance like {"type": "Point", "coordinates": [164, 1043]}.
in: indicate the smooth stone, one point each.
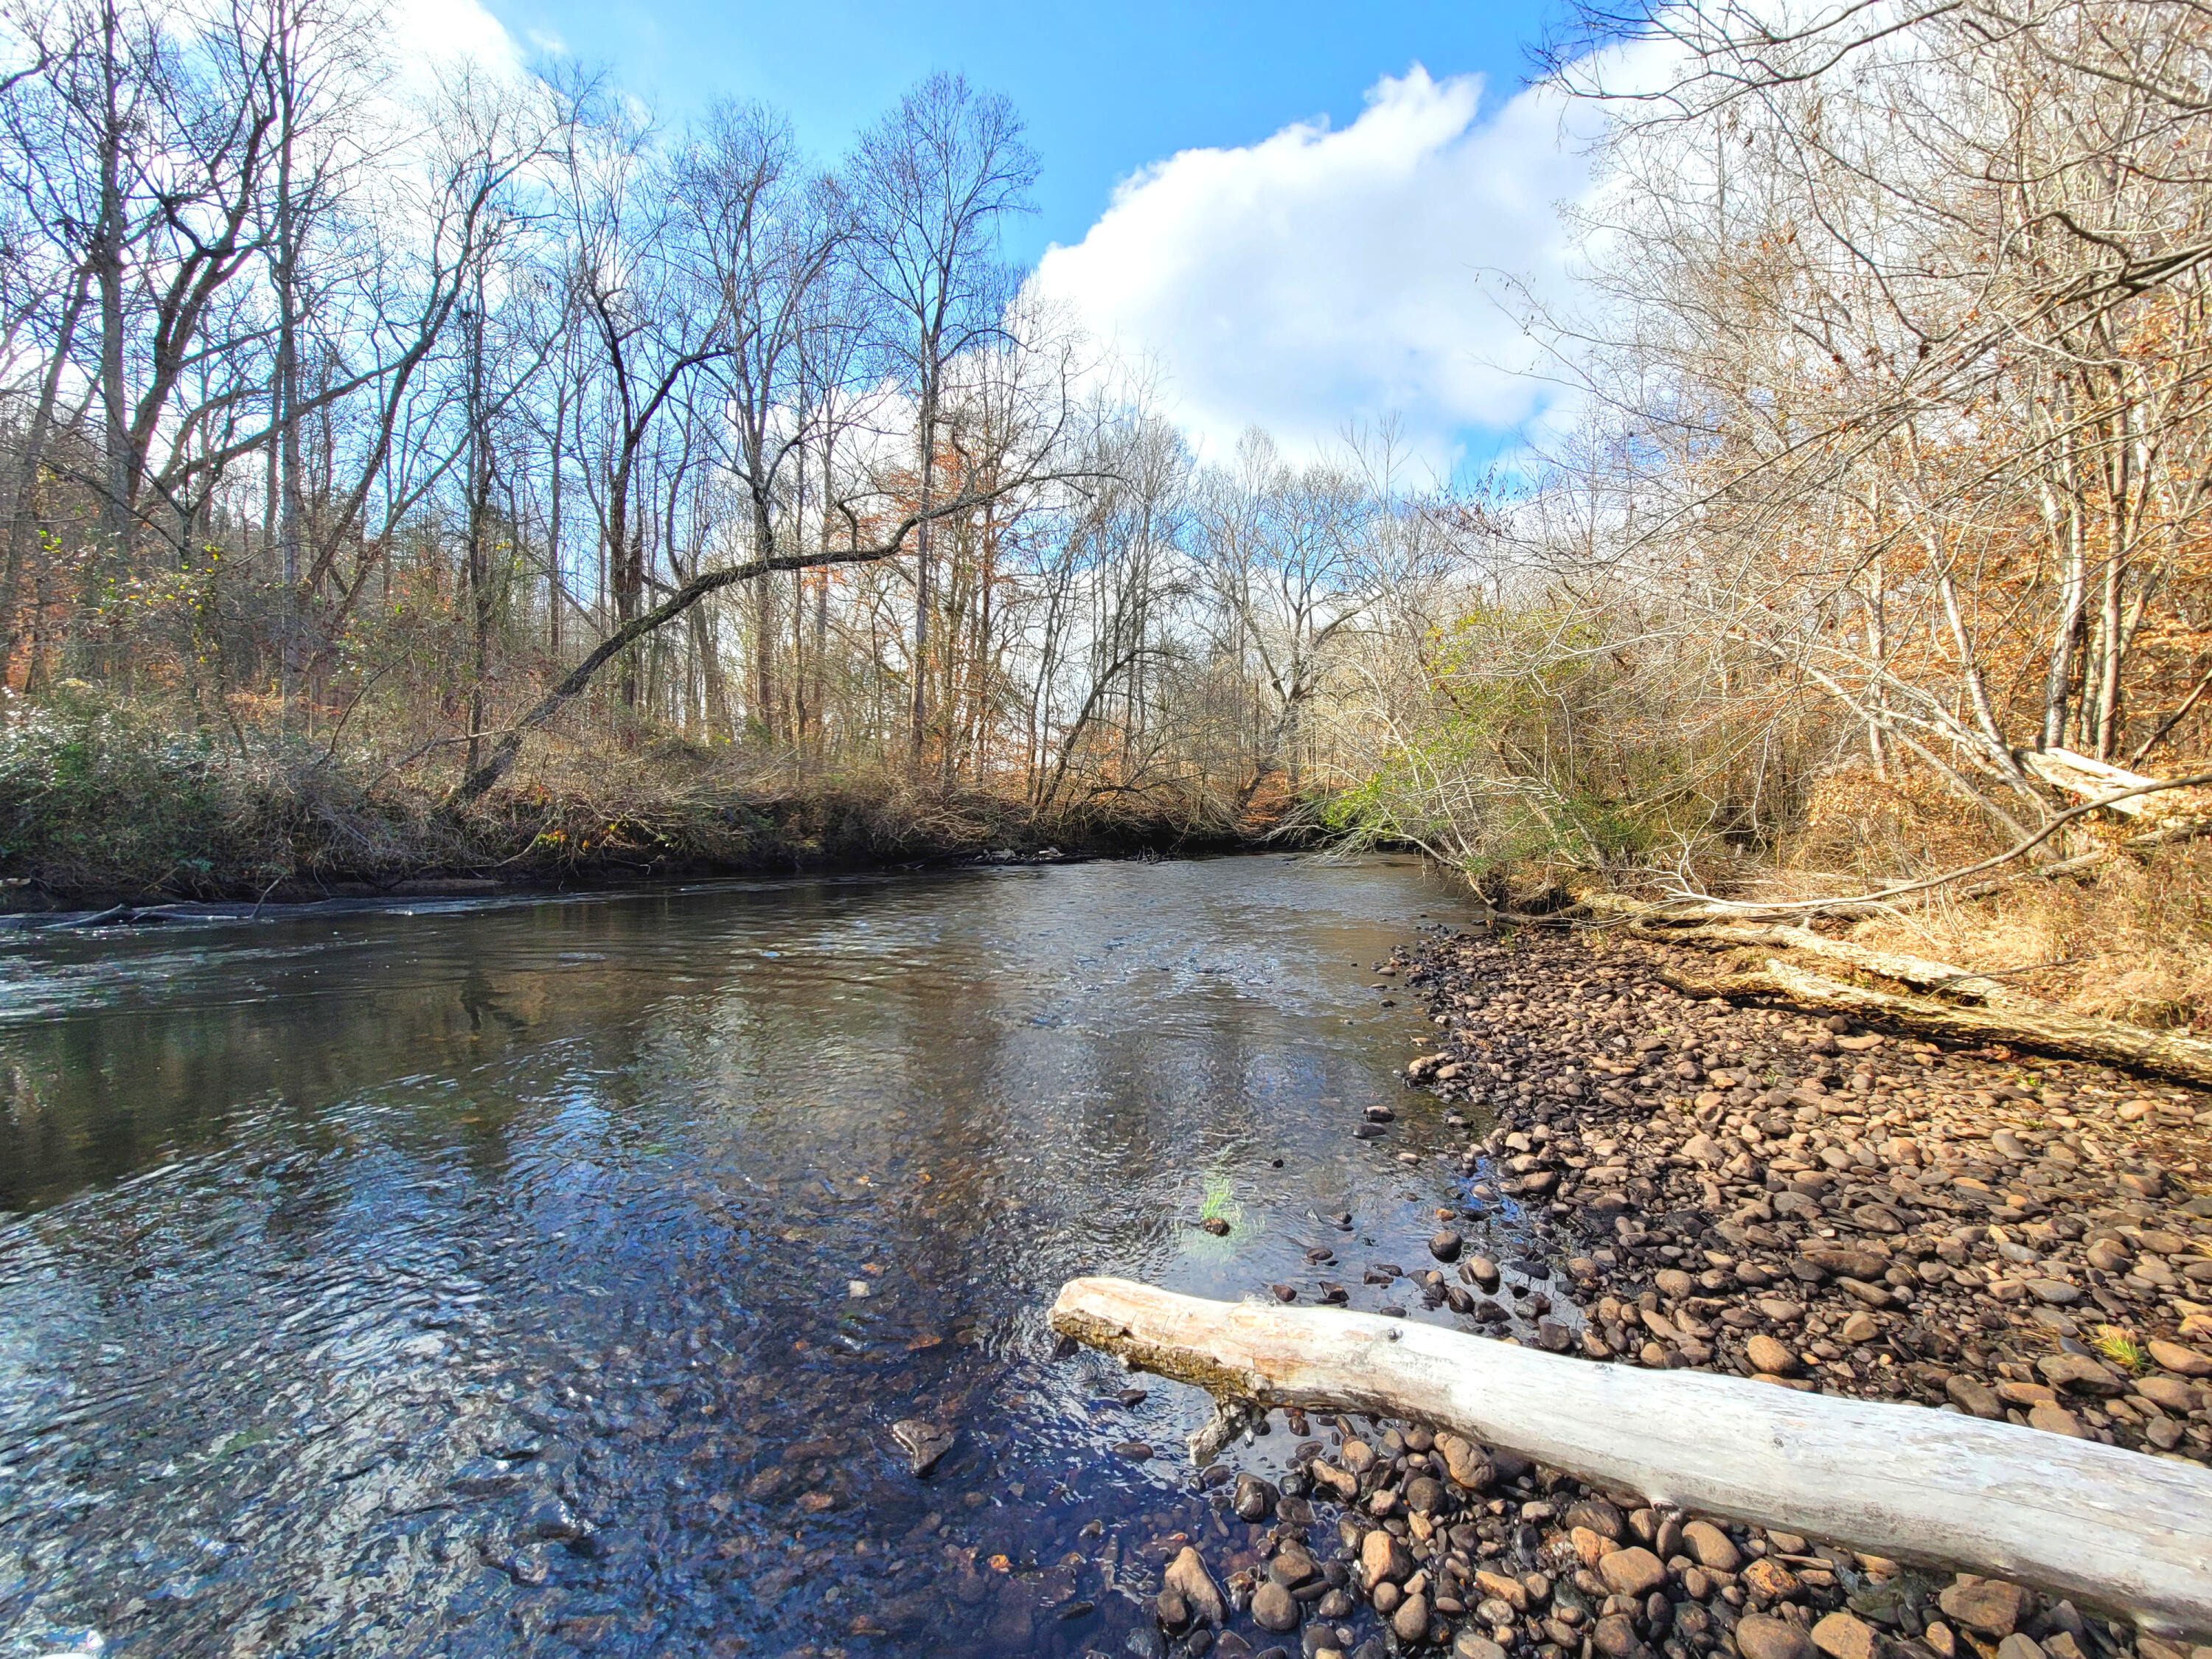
{"type": "Point", "coordinates": [1464, 1462]}
{"type": "Point", "coordinates": [2173, 1357]}
{"type": "Point", "coordinates": [2080, 1373]}
{"type": "Point", "coordinates": [924, 1442]}
{"type": "Point", "coordinates": [1633, 1571]}
{"type": "Point", "coordinates": [2056, 1419]}
{"type": "Point", "coordinates": [1975, 1399]}
{"type": "Point", "coordinates": [1769, 1356]}
{"type": "Point", "coordinates": [1187, 1577]}
{"type": "Point", "coordinates": [1171, 1609]}
{"type": "Point", "coordinates": [1614, 1635]}
{"type": "Point", "coordinates": [1759, 1636]}
{"type": "Point", "coordinates": [1273, 1607]}
{"type": "Point", "coordinates": [1383, 1557]}
{"type": "Point", "coordinates": [1254, 1499]}
{"type": "Point", "coordinates": [1409, 1624]}
{"type": "Point", "coordinates": [1991, 1606]}
{"type": "Point", "coordinates": [1713, 1547]}
{"type": "Point", "coordinates": [1841, 1636]}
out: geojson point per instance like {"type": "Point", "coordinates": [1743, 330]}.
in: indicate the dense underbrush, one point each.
{"type": "Point", "coordinates": [102, 801]}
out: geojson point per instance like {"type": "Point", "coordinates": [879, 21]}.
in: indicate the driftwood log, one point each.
{"type": "Point", "coordinates": [2114, 1528]}
{"type": "Point", "coordinates": [2012, 1020]}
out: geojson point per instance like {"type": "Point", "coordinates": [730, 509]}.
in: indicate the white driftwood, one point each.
{"type": "Point", "coordinates": [2078, 775]}
{"type": "Point", "coordinates": [2115, 1528]}
{"type": "Point", "coordinates": [2052, 1031]}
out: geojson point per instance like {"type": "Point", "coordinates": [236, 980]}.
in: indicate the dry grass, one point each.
{"type": "Point", "coordinates": [1857, 824]}
{"type": "Point", "coordinates": [2130, 940]}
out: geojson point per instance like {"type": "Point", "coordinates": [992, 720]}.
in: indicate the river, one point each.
{"type": "Point", "coordinates": [543, 1276]}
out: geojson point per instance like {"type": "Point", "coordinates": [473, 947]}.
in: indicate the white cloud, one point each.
{"type": "Point", "coordinates": [428, 36]}
{"type": "Point", "coordinates": [1321, 276]}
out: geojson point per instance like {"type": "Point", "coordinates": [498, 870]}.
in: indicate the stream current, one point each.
{"type": "Point", "coordinates": [544, 1276]}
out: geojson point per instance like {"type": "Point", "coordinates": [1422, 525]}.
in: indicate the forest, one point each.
{"type": "Point", "coordinates": [420, 471]}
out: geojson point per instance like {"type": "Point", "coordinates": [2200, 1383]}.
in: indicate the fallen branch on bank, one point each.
{"type": "Point", "coordinates": [1692, 907]}
{"type": "Point", "coordinates": [2113, 1527]}
{"type": "Point", "coordinates": [2048, 1030]}
{"type": "Point", "coordinates": [1921, 973]}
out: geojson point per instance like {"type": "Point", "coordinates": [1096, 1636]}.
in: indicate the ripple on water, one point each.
{"type": "Point", "coordinates": [479, 1279]}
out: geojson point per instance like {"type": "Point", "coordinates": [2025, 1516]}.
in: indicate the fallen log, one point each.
{"type": "Point", "coordinates": [1921, 973]}
{"type": "Point", "coordinates": [2114, 1528]}
{"type": "Point", "coordinates": [2047, 1030]}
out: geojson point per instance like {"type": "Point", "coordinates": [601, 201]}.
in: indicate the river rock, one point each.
{"type": "Point", "coordinates": [1273, 1608]}
{"type": "Point", "coordinates": [1769, 1581]}
{"type": "Point", "coordinates": [1759, 1636]}
{"type": "Point", "coordinates": [2168, 1394]}
{"type": "Point", "coordinates": [1409, 1624]}
{"type": "Point", "coordinates": [1255, 1498]}
{"type": "Point", "coordinates": [2056, 1419]}
{"type": "Point", "coordinates": [1633, 1571]}
{"type": "Point", "coordinates": [1712, 1547]}
{"type": "Point", "coordinates": [1841, 1636]}
{"type": "Point", "coordinates": [1465, 1463]}
{"type": "Point", "coordinates": [2173, 1357]}
{"type": "Point", "coordinates": [1171, 1608]}
{"type": "Point", "coordinates": [1187, 1577]}
{"type": "Point", "coordinates": [1446, 1246]}
{"type": "Point", "coordinates": [2079, 1373]}
{"type": "Point", "coordinates": [1292, 1566]}
{"type": "Point", "coordinates": [1599, 1516]}
{"type": "Point", "coordinates": [1382, 1557]}
{"type": "Point", "coordinates": [1614, 1635]}
{"type": "Point", "coordinates": [924, 1442]}
{"type": "Point", "coordinates": [1975, 1399]}
{"type": "Point", "coordinates": [1990, 1605]}
{"type": "Point", "coordinates": [1769, 1356]}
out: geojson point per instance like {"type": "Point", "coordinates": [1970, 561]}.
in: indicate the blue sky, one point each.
{"type": "Point", "coordinates": [1106, 88]}
{"type": "Point", "coordinates": [1316, 219]}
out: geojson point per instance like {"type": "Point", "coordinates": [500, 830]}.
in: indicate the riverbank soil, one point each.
{"type": "Point", "coordinates": [298, 838]}
{"type": "Point", "coordinates": [1757, 1191]}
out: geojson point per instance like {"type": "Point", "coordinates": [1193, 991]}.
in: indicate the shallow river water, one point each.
{"type": "Point", "coordinates": [544, 1277]}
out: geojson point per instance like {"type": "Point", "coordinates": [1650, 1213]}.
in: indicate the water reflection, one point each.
{"type": "Point", "coordinates": [544, 1276]}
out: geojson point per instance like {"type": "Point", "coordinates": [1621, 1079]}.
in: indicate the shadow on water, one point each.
{"type": "Point", "coordinates": [544, 1277]}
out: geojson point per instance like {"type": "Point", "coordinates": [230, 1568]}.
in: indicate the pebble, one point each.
{"type": "Point", "coordinates": [1758, 1636]}
{"type": "Point", "coordinates": [2182, 1362]}
{"type": "Point", "coordinates": [1632, 1571]}
{"type": "Point", "coordinates": [1189, 1580]}
{"type": "Point", "coordinates": [1712, 1547]}
{"type": "Point", "coordinates": [1842, 1636]}
{"type": "Point", "coordinates": [1771, 1357]}
{"type": "Point", "coordinates": [924, 1442]}
{"type": "Point", "coordinates": [1990, 1605]}
{"type": "Point", "coordinates": [1272, 1608]}
{"type": "Point", "coordinates": [1409, 1624]}
{"type": "Point", "coordinates": [1743, 1190]}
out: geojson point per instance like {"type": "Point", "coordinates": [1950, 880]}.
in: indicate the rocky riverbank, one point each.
{"type": "Point", "coordinates": [1670, 1183]}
